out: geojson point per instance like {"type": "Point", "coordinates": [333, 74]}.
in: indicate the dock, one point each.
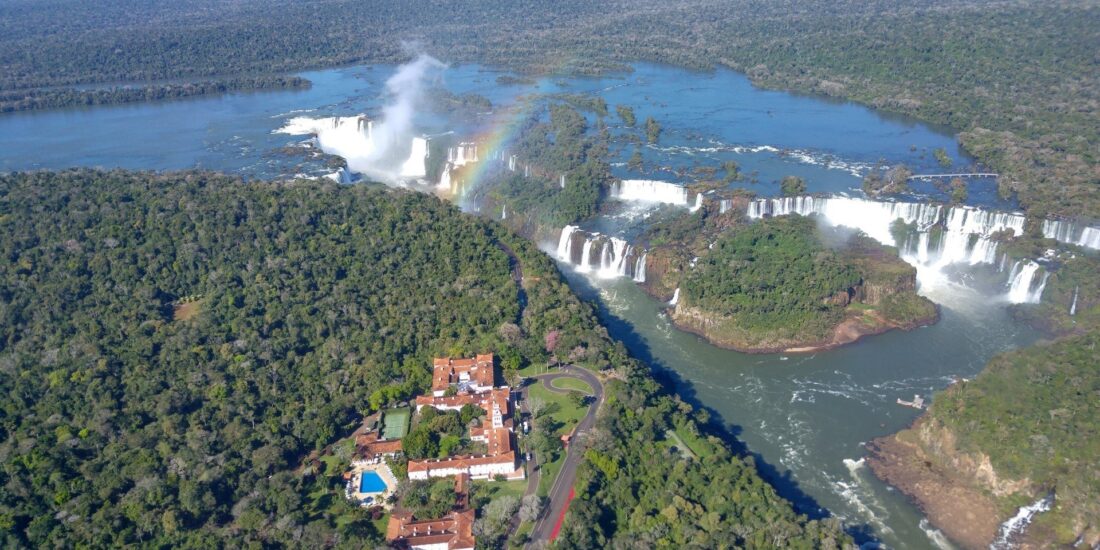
{"type": "Point", "coordinates": [916, 403]}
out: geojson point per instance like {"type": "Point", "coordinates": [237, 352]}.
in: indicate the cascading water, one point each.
{"type": "Point", "coordinates": [650, 191]}
{"type": "Point", "coordinates": [1066, 231]}
{"type": "Point", "coordinates": [675, 297]}
{"type": "Point", "coordinates": [936, 236]}
{"type": "Point", "coordinates": [1016, 525]}
{"type": "Point", "coordinates": [639, 269]}
{"type": "Point", "coordinates": [615, 257]}
{"type": "Point", "coordinates": [565, 243]}
{"type": "Point", "coordinates": [698, 202]}
{"type": "Point", "coordinates": [416, 166]}
{"type": "Point", "coordinates": [1073, 306]}
{"type": "Point", "coordinates": [504, 212]}
{"type": "Point", "coordinates": [1022, 288]}
{"type": "Point", "coordinates": [724, 205]}
{"type": "Point", "coordinates": [445, 178]}
{"type": "Point", "coordinates": [562, 181]}
{"type": "Point", "coordinates": [586, 256]}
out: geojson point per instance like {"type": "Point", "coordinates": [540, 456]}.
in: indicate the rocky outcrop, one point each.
{"type": "Point", "coordinates": [948, 486]}
{"type": "Point", "coordinates": [724, 332]}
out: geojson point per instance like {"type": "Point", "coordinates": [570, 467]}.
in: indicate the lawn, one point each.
{"type": "Point", "coordinates": [572, 384]}
{"type": "Point", "coordinates": [395, 423]}
{"type": "Point", "coordinates": [559, 406]}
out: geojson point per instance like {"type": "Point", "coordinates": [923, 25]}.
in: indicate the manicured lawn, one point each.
{"type": "Point", "coordinates": [572, 384]}
{"type": "Point", "coordinates": [497, 489]}
{"type": "Point", "coordinates": [549, 473]}
{"type": "Point", "coordinates": [395, 423]}
{"type": "Point", "coordinates": [559, 406]}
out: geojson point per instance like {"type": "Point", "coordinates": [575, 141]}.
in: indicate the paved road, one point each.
{"type": "Point", "coordinates": [559, 491]}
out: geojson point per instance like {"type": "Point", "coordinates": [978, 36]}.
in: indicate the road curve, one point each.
{"type": "Point", "coordinates": [559, 491]}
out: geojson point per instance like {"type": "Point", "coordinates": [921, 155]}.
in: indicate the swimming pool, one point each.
{"type": "Point", "coordinates": [371, 482]}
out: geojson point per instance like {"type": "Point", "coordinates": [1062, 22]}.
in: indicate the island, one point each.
{"type": "Point", "coordinates": [782, 284]}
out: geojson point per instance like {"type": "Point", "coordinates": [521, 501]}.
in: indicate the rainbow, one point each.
{"type": "Point", "coordinates": [494, 140]}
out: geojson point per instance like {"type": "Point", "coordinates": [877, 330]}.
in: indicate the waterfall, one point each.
{"type": "Point", "coordinates": [562, 181]}
{"type": "Point", "coordinates": [724, 205]}
{"type": "Point", "coordinates": [1014, 526]}
{"type": "Point", "coordinates": [639, 269]}
{"type": "Point", "coordinates": [1073, 306]}
{"type": "Point", "coordinates": [675, 297]}
{"type": "Point", "coordinates": [416, 166]}
{"type": "Point", "coordinates": [1021, 283]}
{"type": "Point", "coordinates": [650, 191]}
{"type": "Point", "coordinates": [445, 177]}
{"type": "Point", "coordinates": [565, 243]}
{"type": "Point", "coordinates": [935, 236]}
{"type": "Point", "coordinates": [504, 212]}
{"type": "Point", "coordinates": [512, 163]}
{"type": "Point", "coordinates": [1066, 231]}
{"type": "Point", "coordinates": [613, 258]}
{"type": "Point", "coordinates": [586, 256]}
{"type": "Point", "coordinates": [698, 202]}
{"type": "Point", "coordinates": [526, 170]}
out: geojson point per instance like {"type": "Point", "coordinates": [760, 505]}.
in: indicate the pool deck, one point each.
{"type": "Point", "coordinates": [383, 472]}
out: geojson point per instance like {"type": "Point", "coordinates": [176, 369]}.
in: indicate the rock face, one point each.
{"type": "Point", "coordinates": [947, 485]}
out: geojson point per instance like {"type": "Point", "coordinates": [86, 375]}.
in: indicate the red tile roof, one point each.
{"type": "Point", "coordinates": [447, 371]}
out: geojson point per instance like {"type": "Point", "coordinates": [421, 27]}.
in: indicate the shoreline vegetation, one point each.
{"type": "Point", "coordinates": [1031, 121]}
{"type": "Point", "coordinates": [36, 100]}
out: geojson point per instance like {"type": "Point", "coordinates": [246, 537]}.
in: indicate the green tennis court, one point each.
{"type": "Point", "coordinates": [395, 423]}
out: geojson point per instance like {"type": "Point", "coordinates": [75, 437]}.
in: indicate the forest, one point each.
{"type": "Point", "coordinates": [1034, 413]}
{"type": "Point", "coordinates": [1018, 80]}
{"type": "Point", "coordinates": [23, 100]}
{"type": "Point", "coordinates": [173, 345]}
{"type": "Point", "coordinates": [770, 275]}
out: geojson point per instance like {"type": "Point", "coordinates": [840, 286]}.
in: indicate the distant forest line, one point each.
{"type": "Point", "coordinates": [1019, 80]}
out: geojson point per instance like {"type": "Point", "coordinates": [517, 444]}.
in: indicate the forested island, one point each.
{"type": "Point", "coordinates": [779, 284]}
{"type": "Point", "coordinates": [174, 345]}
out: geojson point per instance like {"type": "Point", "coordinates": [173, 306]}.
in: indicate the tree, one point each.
{"type": "Point", "coordinates": [627, 114]}
{"type": "Point", "coordinates": [530, 508]}
{"type": "Point", "coordinates": [420, 444]}
{"type": "Point", "coordinates": [536, 405]}
{"type": "Point", "coordinates": [635, 162]}
{"type": "Point", "coordinates": [652, 130]}
{"type": "Point", "coordinates": [942, 157]}
{"type": "Point", "coordinates": [792, 185]}
{"type": "Point", "coordinates": [958, 191]}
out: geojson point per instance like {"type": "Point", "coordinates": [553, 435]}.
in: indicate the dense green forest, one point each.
{"type": "Point", "coordinates": [173, 345]}
{"type": "Point", "coordinates": [1019, 79]}
{"type": "Point", "coordinates": [24, 100]}
{"type": "Point", "coordinates": [771, 275]}
{"type": "Point", "coordinates": [1035, 413]}
{"type": "Point", "coordinates": [554, 143]}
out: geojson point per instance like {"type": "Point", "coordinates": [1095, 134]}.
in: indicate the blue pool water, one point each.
{"type": "Point", "coordinates": [371, 482]}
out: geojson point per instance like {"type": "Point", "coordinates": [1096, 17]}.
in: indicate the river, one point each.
{"type": "Point", "coordinates": [805, 418]}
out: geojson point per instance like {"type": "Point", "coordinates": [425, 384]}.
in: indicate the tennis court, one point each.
{"type": "Point", "coordinates": [395, 423]}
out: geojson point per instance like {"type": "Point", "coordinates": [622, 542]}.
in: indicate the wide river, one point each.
{"type": "Point", "coordinates": [804, 417]}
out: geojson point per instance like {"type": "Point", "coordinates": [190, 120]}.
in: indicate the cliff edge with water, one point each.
{"type": "Point", "coordinates": [1011, 458]}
